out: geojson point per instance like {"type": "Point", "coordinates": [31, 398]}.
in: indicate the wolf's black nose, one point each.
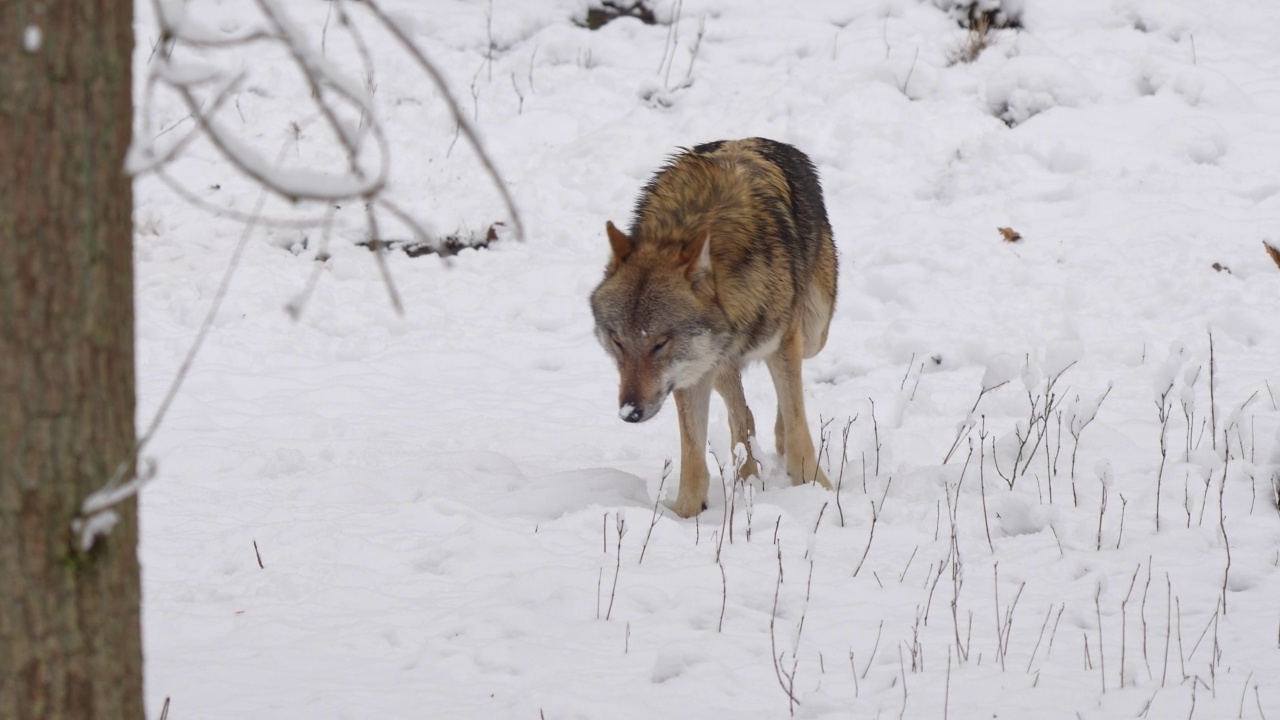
{"type": "Point", "coordinates": [630, 413]}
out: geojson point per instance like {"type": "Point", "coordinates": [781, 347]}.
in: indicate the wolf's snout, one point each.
{"type": "Point", "coordinates": [631, 412]}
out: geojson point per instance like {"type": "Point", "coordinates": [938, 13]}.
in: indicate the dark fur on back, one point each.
{"type": "Point", "coordinates": [763, 202]}
{"type": "Point", "coordinates": [807, 208]}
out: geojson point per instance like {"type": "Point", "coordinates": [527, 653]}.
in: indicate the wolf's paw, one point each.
{"type": "Point", "coordinates": [687, 507]}
{"type": "Point", "coordinates": [807, 472]}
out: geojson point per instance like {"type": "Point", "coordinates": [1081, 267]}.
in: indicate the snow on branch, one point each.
{"type": "Point", "coordinates": [185, 63]}
{"type": "Point", "coordinates": [343, 103]}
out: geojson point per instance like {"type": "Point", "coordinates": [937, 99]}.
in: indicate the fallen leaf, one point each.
{"type": "Point", "coordinates": [1273, 252]}
{"type": "Point", "coordinates": [1011, 235]}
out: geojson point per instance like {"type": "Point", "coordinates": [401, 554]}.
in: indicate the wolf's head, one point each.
{"type": "Point", "coordinates": [656, 314]}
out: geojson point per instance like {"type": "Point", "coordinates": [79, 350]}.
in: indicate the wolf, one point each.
{"type": "Point", "coordinates": [729, 259]}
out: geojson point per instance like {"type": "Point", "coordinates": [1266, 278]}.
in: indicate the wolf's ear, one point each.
{"type": "Point", "coordinates": [621, 244]}
{"type": "Point", "coordinates": [696, 256]}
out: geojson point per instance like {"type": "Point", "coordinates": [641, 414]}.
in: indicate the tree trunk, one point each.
{"type": "Point", "coordinates": [70, 634]}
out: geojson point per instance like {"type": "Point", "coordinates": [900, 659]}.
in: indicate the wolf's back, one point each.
{"type": "Point", "coordinates": [782, 185]}
{"type": "Point", "coordinates": [807, 207]}
{"type": "Point", "coordinates": [771, 249]}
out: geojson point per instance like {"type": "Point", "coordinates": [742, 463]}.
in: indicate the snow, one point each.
{"type": "Point", "coordinates": [437, 514]}
{"type": "Point", "coordinates": [32, 38]}
{"type": "Point", "coordinates": [97, 525]}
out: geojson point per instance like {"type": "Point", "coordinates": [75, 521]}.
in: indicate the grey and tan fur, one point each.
{"type": "Point", "coordinates": [729, 259]}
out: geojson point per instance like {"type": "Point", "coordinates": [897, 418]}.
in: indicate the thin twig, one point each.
{"type": "Point", "coordinates": [787, 682]}
{"type": "Point", "coordinates": [124, 483]}
{"type": "Point", "coordinates": [621, 524]}
{"type": "Point", "coordinates": [911, 70]}
{"type": "Point", "coordinates": [1124, 621]}
{"type": "Point", "coordinates": [875, 517]}
{"type": "Point", "coordinates": [465, 127]}
{"type": "Point", "coordinates": [380, 257]}
{"type": "Point", "coordinates": [1102, 658]}
{"type": "Point", "coordinates": [1039, 637]}
{"type": "Point", "coordinates": [657, 514]}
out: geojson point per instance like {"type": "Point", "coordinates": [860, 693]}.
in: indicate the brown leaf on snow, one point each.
{"type": "Point", "coordinates": [1223, 268]}
{"type": "Point", "coordinates": [1011, 235]}
{"type": "Point", "coordinates": [1273, 252]}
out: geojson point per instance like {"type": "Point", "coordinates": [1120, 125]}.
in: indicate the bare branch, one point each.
{"type": "Point", "coordinates": [464, 126]}
{"type": "Point", "coordinates": [96, 516]}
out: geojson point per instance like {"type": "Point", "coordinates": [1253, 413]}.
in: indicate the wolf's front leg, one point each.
{"type": "Point", "coordinates": [692, 405]}
{"type": "Point", "coordinates": [742, 425]}
{"type": "Point", "coordinates": [784, 367]}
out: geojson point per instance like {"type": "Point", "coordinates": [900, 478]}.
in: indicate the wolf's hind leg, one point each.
{"type": "Point", "coordinates": [819, 304]}
{"type": "Point", "coordinates": [742, 425]}
{"type": "Point", "coordinates": [780, 433]}
{"type": "Point", "coordinates": [784, 366]}
{"type": "Point", "coordinates": [692, 405]}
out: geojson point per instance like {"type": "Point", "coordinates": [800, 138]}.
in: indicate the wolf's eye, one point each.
{"type": "Point", "coordinates": [616, 344]}
{"type": "Point", "coordinates": [659, 345]}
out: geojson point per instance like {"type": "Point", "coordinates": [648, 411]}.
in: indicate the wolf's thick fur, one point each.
{"type": "Point", "coordinates": [729, 259]}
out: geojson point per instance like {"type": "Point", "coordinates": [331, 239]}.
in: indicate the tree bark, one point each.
{"type": "Point", "coordinates": [70, 634]}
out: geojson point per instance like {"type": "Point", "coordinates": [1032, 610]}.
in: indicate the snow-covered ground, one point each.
{"type": "Point", "coordinates": [436, 497]}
